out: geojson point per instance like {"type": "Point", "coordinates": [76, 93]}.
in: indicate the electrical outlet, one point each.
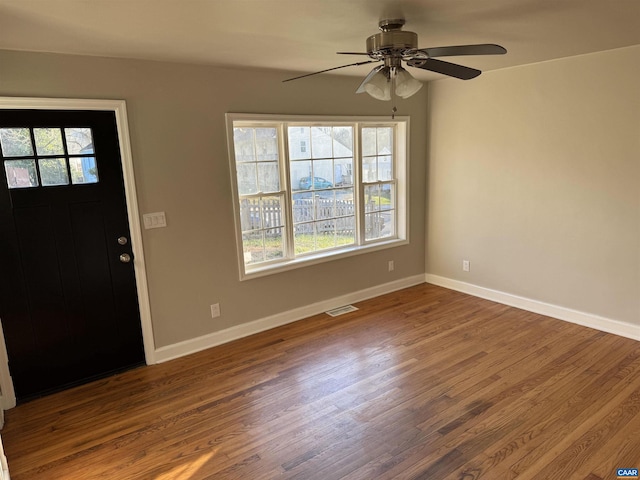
{"type": "Point", "coordinates": [391, 265]}
{"type": "Point", "coordinates": [215, 310]}
{"type": "Point", "coordinates": [466, 266]}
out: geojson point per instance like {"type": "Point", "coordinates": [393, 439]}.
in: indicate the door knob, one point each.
{"type": "Point", "coordinates": [125, 258]}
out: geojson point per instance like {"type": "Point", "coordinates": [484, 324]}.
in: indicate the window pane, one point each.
{"type": "Point", "coordinates": [379, 168]}
{"type": "Point", "coordinates": [243, 144]}
{"type": "Point", "coordinates": [48, 141]}
{"type": "Point", "coordinates": [21, 173]}
{"type": "Point", "coordinates": [250, 218]}
{"type": "Point", "coordinates": [344, 194]}
{"type": "Point", "coordinates": [274, 244]}
{"type": "Point", "coordinates": [346, 227]}
{"type": "Point", "coordinates": [384, 140]}
{"type": "Point", "coordinates": [262, 223]}
{"type": "Point", "coordinates": [16, 142]}
{"type": "Point", "coordinates": [322, 174]}
{"type": "Point", "coordinates": [300, 175]}
{"type": "Point", "coordinates": [336, 233]}
{"type": "Point", "coordinates": [385, 168]}
{"type": "Point", "coordinates": [303, 209]}
{"type": "Point", "coordinates": [83, 170]}
{"type": "Point", "coordinates": [266, 144]}
{"type": "Point", "coordinates": [247, 181]}
{"type": "Point", "coordinates": [53, 171]}
{"type": "Point", "coordinates": [344, 172]}
{"type": "Point", "coordinates": [325, 230]}
{"type": "Point", "coordinates": [299, 143]}
{"type": "Point", "coordinates": [342, 142]}
{"type": "Point", "coordinates": [342, 213]}
{"type": "Point", "coordinates": [304, 238]}
{"type": "Point", "coordinates": [387, 196]}
{"type": "Point", "coordinates": [79, 140]}
{"type": "Point", "coordinates": [346, 208]}
{"type": "Point", "coordinates": [389, 227]}
{"type": "Point", "coordinates": [377, 152]}
{"type": "Point", "coordinates": [268, 177]}
{"type": "Point", "coordinates": [378, 225]}
{"type": "Point", "coordinates": [345, 236]}
{"type": "Point", "coordinates": [263, 246]}
{"type": "Point", "coordinates": [372, 197]}
{"type": "Point", "coordinates": [379, 197]}
{"type": "Point", "coordinates": [369, 169]}
{"type": "Point", "coordinates": [325, 207]}
{"type": "Point", "coordinates": [253, 247]}
{"type": "Point", "coordinates": [369, 144]}
{"type": "Point", "coordinates": [330, 234]}
{"type": "Point", "coordinates": [380, 211]}
{"type": "Point", "coordinates": [321, 142]}
{"type": "Point", "coordinates": [271, 212]}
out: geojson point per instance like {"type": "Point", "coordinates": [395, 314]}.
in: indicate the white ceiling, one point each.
{"type": "Point", "coordinates": [302, 36]}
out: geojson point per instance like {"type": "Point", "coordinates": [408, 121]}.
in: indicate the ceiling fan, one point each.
{"type": "Point", "coordinates": [392, 46]}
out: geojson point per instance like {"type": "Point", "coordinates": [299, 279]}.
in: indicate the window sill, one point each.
{"type": "Point", "coordinates": [320, 257]}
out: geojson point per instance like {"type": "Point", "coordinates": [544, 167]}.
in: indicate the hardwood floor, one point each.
{"type": "Point", "coordinates": [424, 383]}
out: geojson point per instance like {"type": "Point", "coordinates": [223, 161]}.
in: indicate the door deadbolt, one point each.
{"type": "Point", "coordinates": [122, 240]}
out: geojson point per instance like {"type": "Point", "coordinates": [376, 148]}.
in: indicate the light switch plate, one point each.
{"type": "Point", "coordinates": [154, 220]}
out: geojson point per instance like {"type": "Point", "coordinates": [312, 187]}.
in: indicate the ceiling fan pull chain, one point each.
{"type": "Point", "coordinates": [393, 74]}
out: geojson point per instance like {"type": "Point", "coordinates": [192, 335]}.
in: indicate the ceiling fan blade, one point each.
{"type": "Point", "coordinates": [329, 69]}
{"type": "Point", "coordinates": [369, 77]}
{"type": "Point", "coordinates": [480, 49]}
{"type": "Point", "coordinates": [446, 68]}
{"type": "Point", "coordinates": [352, 53]}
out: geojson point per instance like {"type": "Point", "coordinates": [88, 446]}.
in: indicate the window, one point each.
{"type": "Point", "coordinates": [309, 189]}
{"type": "Point", "coordinates": [48, 156]}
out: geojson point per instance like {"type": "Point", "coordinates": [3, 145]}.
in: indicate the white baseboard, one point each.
{"type": "Point", "coordinates": [187, 347]}
{"type": "Point", "coordinates": [608, 325]}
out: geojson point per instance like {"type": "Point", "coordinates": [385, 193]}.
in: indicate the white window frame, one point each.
{"type": "Point", "coordinates": [401, 164]}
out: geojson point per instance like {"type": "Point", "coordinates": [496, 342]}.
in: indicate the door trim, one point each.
{"type": "Point", "coordinates": [8, 397]}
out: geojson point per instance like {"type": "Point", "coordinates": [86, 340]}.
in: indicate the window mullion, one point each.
{"type": "Point", "coordinates": [286, 182]}
{"type": "Point", "coordinates": [35, 156]}
{"type": "Point", "coordinates": [358, 185]}
{"type": "Point", "coordinates": [65, 149]}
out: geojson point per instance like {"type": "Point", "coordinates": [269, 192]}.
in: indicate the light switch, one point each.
{"type": "Point", "coordinates": [154, 220]}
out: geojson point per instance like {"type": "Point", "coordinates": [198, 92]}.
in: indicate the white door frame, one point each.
{"type": "Point", "coordinates": [7, 392]}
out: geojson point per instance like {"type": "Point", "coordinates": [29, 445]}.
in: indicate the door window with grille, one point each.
{"type": "Point", "coordinates": [48, 156]}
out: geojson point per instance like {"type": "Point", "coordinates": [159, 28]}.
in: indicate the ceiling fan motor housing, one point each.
{"type": "Point", "coordinates": [391, 40]}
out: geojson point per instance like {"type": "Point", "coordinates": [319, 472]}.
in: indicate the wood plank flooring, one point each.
{"type": "Point", "coordinates": [424, 383]}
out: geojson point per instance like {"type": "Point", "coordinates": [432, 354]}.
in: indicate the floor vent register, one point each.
{"type": "Point", "coordinates": [341, 310]}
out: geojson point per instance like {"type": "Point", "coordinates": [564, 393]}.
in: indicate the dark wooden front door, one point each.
{"type": "Point", "coordinates": [68, 301]}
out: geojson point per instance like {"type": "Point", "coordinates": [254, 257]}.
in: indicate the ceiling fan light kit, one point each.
{"type": "Point", "coordinates": [379, 86]}
{"type": "Point", "coordinates": [392, 45]}
{"type": "Point", "coordinates": [406, 85]}
{"type": "Point", "coordinates": [387, 80]}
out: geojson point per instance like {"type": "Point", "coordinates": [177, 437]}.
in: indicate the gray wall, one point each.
{"type": "Point", "coordinates": [534, 176]}
{"type": "Point", "coordinates": [177, 126]}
